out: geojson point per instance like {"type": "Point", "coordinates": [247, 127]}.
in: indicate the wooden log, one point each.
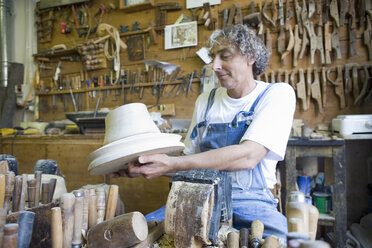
{"type": "Point", "coordinates": [121, 231]}
{"type": "Point", "coordinates": [67, 207]}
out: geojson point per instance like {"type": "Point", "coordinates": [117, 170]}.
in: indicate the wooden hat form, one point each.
{"type": "Point", "coordinates": [130, 133]}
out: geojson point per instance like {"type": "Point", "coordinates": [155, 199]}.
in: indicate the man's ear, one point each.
{"type": "Point", "coordinates": [250, 62]}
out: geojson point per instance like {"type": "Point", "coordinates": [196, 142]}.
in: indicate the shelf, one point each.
{"type": "Point", "coordinates": [326, 220]}
{"type": "Point", "coordinates": [136, 7]}
{"type": "Point", "coordinates": [115, 87]}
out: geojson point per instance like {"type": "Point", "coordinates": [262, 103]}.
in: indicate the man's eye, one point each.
{"type": "Point", "coordinates": [225, 57]}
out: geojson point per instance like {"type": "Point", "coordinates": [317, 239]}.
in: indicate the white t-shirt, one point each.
{"type": "Point", "coordinates": [270, 127]}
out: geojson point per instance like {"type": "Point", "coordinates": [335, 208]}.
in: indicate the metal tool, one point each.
{"type": "Point", "coordinates": [257, 228]}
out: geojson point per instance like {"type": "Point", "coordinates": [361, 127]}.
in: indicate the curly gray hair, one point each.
{"type": "Point", "coordinates": [246, 40]}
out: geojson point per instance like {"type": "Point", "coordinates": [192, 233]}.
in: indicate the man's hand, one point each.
{"type": "Point", "coordinates": [155, 165]}
{"type": "Point", "coordinates": [126, 172]}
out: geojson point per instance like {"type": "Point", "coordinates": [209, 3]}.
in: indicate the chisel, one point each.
{"type": "Point", "coordinates": [243, 237]}
{"type": "Point", "coordinates": [44, 193]}
{"type": "Point", "coordinates": [233, 240]}
{"type": "Point", "coordinates": [67, 209]}
{"type": "Point", "coordinates": [9, 187]}
{"type": "Point", "coordinates": [85, 210]}
{"type": "Point", "coordinates": [270, 242]}
{"type": "Point", "coordinates": [31, 183]}
{"type": "Point", "coordinates": [17, 193]}
{"type": "Point", "coordinates": [257, 228]}
{"type": "Point", "coordinates": [101, 204]}
{"type": "Point", "coordinates": [92, 212]}
{"type": "Point", "coordinates": [22, 199]}
{"type": "Point", "coordinates": [52, 187]}
{"type": "Point", "coordinates": [2, 190]}
{"type": "Point", "coordinates": [78, 221]}
{"type": "Point", "coordinates": [2, 223]}
{"type": "Point", "coordinates": [37, 188]}
{"type": "Point", "coordinates": [112, 201]}
{"type": "Point", "coordinates": [25, 226]}
{"type": "Point", "coordinates": [56, 227]}
{"type": "Point", "coordinates": [10, 235]}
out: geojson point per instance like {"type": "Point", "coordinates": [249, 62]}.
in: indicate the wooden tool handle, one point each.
{"type": "Point", "coordinates": [56, 226]}
{"type": "Point", "coordinates": [92, 212]}
{"type": "Point", "coordinates": [44, 193]}
{"type": "Point", "coordinates": [233, 240]}
{"type": "Point", "coordinates": [9, 187]}
{"type": "Point", "coordinates": [112, 201]}
{"type": "Point", "coordinates": [31, 184]}
{"type": "Point", "coordinates": [257, 228]}
{"type": "Point", "coordinates": [79, 198]}
{"type": "Point", "coordinates": [2, 190]}
{"type": "Point", "coordinates": [2, 223]}
{"type": "Point", "coordinates": [37, 175]}
{"type": "Point", "coordinates": [85, 209]}
{"type": "Point", "coordinates": [52, 187]}
{"type": "Point", "coordinates": [101, 204]}
{"type": "Point", "coordinates": [270, 242]}
{"type": "Point", "coordinates": [22, 199]}
{"type": "Point", "coordinates": [67, 209]}
{"type": "Point", "coordinates": [10, 235]}
{"type": "Point", "coordinates": [17, 193]}
{"type": "Point", "coordinates": [243, 237]}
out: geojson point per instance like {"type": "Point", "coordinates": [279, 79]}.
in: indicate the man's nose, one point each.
{"type": "Point", "coordinates": [216, 64]}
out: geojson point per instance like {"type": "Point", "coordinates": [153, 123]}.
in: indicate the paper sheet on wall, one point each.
{"type": "Point", "coordinates": [199, 3]}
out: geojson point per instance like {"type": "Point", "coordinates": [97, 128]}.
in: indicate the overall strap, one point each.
{"type": "Point", "coordinates": [259, 97]}
{"type": "Point", "coordinates": [210, 102]}
{"type": "Point", "coordinates": [251, 110]}
{"type": "Point", "coordinates": [204, 122]}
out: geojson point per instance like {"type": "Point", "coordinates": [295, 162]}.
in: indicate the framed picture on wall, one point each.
{"type": "Point", "coordinates": [133, 2]}
{"type": "Point", "coordinates": [181, 35]}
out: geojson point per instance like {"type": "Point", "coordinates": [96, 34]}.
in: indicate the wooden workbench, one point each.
{"type": "Point", "coordinates": [70, 152]}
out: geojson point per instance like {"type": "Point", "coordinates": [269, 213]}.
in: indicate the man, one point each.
{"type": "Point", "coordinates": [241, 127]}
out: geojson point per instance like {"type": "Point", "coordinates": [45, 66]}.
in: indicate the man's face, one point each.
{"type": "Point", "coordinates": [231, 67]}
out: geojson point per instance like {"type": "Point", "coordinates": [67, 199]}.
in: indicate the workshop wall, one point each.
{"type": "Point", "coordinates": [53, 107]}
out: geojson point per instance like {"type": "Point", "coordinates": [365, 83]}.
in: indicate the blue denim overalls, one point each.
{"type": "Point", "coordinates": [252, 200]}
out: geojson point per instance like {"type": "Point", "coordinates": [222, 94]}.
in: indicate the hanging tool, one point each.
{"type": "Point", "coordinates": [327, 44]}
{"type": "Point", "coordinates": [326, 8]}
{"type": "Point", "coordinates": [311, 8]}
{"type": "Point", "coordinates": [296, 46]}
{"type": "Point", "coordinates": [365, 86]}
{"type": "Point", "coordinates": [273, 17]}
{"type": "Point", "coordinates": [361, 12]}
{"type": "Point", "coordinates": [324, 86]}
{"type": "Point", "coordinates": [356, 90]}
{"type": "Point", "coordinates": [301, 90]}
{"type": "Point", "coordinates": [298, 11]}
{"type": "Point", "coordinates": [336, 42]}
{"type": "Point", "coordinates": [315, 91]}
{"type": "Point", "coordinates": [351, 27]}
{"type": "Point", "coordinates": [339, 85]}
{"type": "Point", "coordinates": [308, 86]}
{"type": "Point", "coordinates": [334, 12]}
{"type": "Point", "coordinates": [367, 38]}
{"type": "Point", "coordinates": [290, 44]}
{"type": "Point", "coordinates": [281, 12]}
{"type": "Point", "coordinates": [343, 10]}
